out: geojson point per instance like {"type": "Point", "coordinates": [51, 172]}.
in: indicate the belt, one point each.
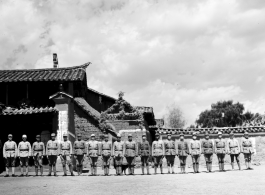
{"type": "Point", "coordinates": [52, 148]}
{"type": "Point", "coordinates": [38, 150]}
{"type": "Point", "coordinates": [10, 149]}
{"type": "Point", "coordinates": [79, 148]}
{"type": "Point", "coordinates": [66, 149]}
{"type": "Point", "coordinates": [23, 149]}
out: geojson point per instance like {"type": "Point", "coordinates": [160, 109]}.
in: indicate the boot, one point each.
{"type": "Point", "coordinates": [13, 170]}
{"type": "Point", "coordinates": [95, 170]}
{"type": "Point", "coordinates": [147, 168]}
{"type": "Point", "coordinates": [197, 167]}
{"type": "Point", "coordinates": [50, 171]}
{"type": "Point", "coordinates": [36, 171]}
{"type": "Point", "coordinates": [54, 170]}
{"type": "Point", "coordinates": [220, 167]}
{"type": "Point", "coordinates": [207, 168]}
{"type": "Point", "coordinates": [108, 171]}
{"type": "Point", "coordinates": [65, 172]}
{"type": "Point", "coordinates": [71, 170]}
{"type": "Point", "coordinates": [239, 166]}
{"type": "Point", "coordinates": [184, 167]}
{"type": "Point", "coordinates": [210, 167]}
{"type": "Point", "coordinates": [194, 168]}
{"type": "Point", "coordinates": [41, 171]}
{"type": "Point", "coordinates": [223, 167]}
{"type": "Point", "coordinates": [78, 169]}
{"type": "Point", "coordinates": [168, 169]}
{"type": "Point", "coordinates": [132, 170]}
{"type": "Point", "coordinates": [155, 170]}
{"type": "Point", "coordinates": [161, 169]}
{"type": "Point", "coordinates": [173, 171]}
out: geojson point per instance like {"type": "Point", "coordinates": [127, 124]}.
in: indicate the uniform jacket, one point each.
{"type": "Point", "coordinates": [66, 148]}
{"type": "Point", "coordinates": [247, 146]}
{"type": "Point", "coordinates": [118, 148]}
{"type": "Point", "coordinates": [195, 147]}
{"type": "Point", "coordinates": [130, 149]}
{"type": "Point", "coordinates": [220, 146]}
{"type": "Point", "coordinates": [52, 148]}
{"type": "Point", "coordinates": [183, 148]}
{"type": "Point", "coordinates": [207, 146]}
{"type": "Point", "coordinates": [158, 148]}
{"type": "Point", "coordinates": [10, 149]}
{"type": "Point", "coordinates": [38, 148]}
{"type": "Point", "coordinates": [24, 149]}
{"type": "Point", "coordinates": [170, 147]}
{"type": "Point", "coordinates": [144, 149]}
{"type": "Point", "coordinates": [79, 147]}
{"type": "Point", "coordinates": [93, 148]}
{"type": "Point", "coordinates": [106, 148]}
{"type": "Point", "coordinates": [233, 146]}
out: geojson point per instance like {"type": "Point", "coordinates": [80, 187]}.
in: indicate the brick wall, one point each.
{"type": "Point", "coordinates": [85, 124]}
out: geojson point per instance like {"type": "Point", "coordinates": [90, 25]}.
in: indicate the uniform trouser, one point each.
{"type": "Point", "coordinates": [79, 160]}
{"type": "Point", "coordinates": [106, 161]}
{"type": "Point", "coordinates": [158, 161]}
{"type": "Point", "coordinates": [208, 158]}
{"type": "Point", "coordinates": [94, 160]}
{"type": "Point", "coordinates": [10, 162]}
{"type": "Point", "coordinates": [66, 160]}
{"type": "Point", "coordinates": [233, 157]}
{"type": "Point", "coordinates": [130, 161]}
{"type": "Point", "coordinates": [37, 161]}
{"type": "Point", "coordinates": [52, 160]}
{"type": "Point", "coordinates": [195, 159]}
{"type": "Point", "coordinates": [118, 160]}
{"type": "Point", "coordinates": [221, 158]}
{"type": "Point", "coordinates": [170, 160]}
{"type": "Point", "coordinates": [24, 161]}
{"type": "Point", "coordinates": [182, 160]}
{"type": "Point", "coordinates": [247, 157]}
{"type": "Point", "coordinates": [144, 160]}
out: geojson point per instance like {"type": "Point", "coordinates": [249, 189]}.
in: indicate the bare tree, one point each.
{"type": "Point", "coordinates": [174, 117]}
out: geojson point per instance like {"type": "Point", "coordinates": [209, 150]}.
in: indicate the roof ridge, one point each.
{"type": "Point", "coordinates": [101, 93]}
{"type": "Point", "coordinates": [83, 66]}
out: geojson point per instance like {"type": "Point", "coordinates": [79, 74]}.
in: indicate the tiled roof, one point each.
{"type": "Point", "coordinates": [102, 94]}
{"type": "Point", "coordinates": [12, 111]}
{"type": "Point", "coordinates": [75, 73]}
{"type": "Point", "coordinates": [82, 103]}
{"type": "Point", "coordinates": [144, 109]}
{"type": "Point", "coordinates": [224, 130]}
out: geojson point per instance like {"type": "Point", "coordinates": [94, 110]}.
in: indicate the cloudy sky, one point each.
{"type": "Point", "coordinates": [193, 53]}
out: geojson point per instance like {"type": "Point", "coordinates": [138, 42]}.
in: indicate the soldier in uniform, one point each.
{"type": "Point", "coordinates": [38, 150]}
{"type": "Point", "coordinates": [106, 152]}
{"type": "Point", "coordinates": [183, 152]}
{"type": "Point", "coordinates": [158, 153]}
{"type": "Point", "coordinates": [247, 150]}
{"type": "Point", "coordinates": [130, 152]}
{"type": "Point", "coordinates": [93, 151]}
{"type": "Point", "coordinates": [144, 153]}
{"type": "Point", "coordinates": [79, 153]}
{"type": "Point", "coordinates": [118, 154]}
{"type": "Point", "coordinates": [208, 150]}
{"type": "Point", "coordinates": [220, 150]}
{"type": "Point", "coordinates": [170, 153]}
{"type": "Point", "coordinates": [52, 152]}
{"type": "Point", "coordinates": [66, 152]}
{"type": "Point", "coordinates": [10, 154]}
{"type": "Point", "coordinates": [24, 152]}
{"type": "Point", "coordinates": [195, 151]}
{"type": "Point", "coordinates": [233, 148]}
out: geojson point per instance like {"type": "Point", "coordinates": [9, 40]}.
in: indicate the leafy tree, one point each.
{"type": "Point", "coordinates": [174, 117]}
{"type": "Point", "coordinates": [223, 114]}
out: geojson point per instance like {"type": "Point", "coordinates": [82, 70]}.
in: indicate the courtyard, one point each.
{"type": "Point", "coordinates": [230, 182]}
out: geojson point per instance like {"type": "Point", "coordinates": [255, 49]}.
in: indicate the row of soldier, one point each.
{"type": "Point", "coordinates": [128, 150]}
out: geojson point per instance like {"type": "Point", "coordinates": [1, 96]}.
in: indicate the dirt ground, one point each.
{"type": "Point", "coordinates": [231, 182]}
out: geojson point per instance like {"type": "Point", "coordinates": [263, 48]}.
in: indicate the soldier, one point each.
{"type": "Point", "coordinates": [79, 153]}
{"type": "Point", "coordinates": [170, 153]}
{"type": "Point", "coordinates": [220, 150]}
{"type": "Point", "coordinates": [158, 153]}
{"type": "Point", "coordinates": [52, 152]}
{"type": "Point", "coordinates": [10, 154]}
{"type": "Point", "coordinates": [183, 152]}
{"type": "Point", "coordinates": [195, 150]}
{"type": "Point", "coordinates": [93, 151]}
{"type": "Point", "coordinates": [247, 150]}
{"type": "Point", "coordinates": [233, 148]}
{"type": "Point", "coordinates": [106, 152]}
{"type": "Point", "coordinates": [144, 153]}
{"type": "Point", "coordinates": [130, 152]}
{"type": "Point", "coordinates": [208, 149]}
{"type": "Point", "coordinates": [118, 154]}
{"type": "Point", "coordinates": [24, 152]}
{"type": "Point", "coordinates": [38, 150]}
{"type": "Point", "coordinates": [66, 152]}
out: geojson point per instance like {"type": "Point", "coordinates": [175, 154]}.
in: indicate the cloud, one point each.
{"type": "Point", "coordinates": [193, 53]}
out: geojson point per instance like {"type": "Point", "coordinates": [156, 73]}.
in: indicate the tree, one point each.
{"type": "Point", "coordinates": [223, 114]}
{"type": "Point", "coordinates": [174, 117]}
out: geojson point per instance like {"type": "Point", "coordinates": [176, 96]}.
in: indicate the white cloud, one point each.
{"type": "Point", "coordinates": [189, 52]}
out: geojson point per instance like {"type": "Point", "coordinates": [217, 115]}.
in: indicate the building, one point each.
{"type": "Point", "coordinates": [42, 101]}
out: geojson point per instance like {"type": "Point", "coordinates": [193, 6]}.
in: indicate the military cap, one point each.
{"type": "Point", "coordinates": [130, 135]}
{"type": "Point", "coordinates": [181, 134]}
{"type": "Point", "coordinates": [65, 135]}
{"type": "Point", "coordinates": [157, 134]}
{"type": "Point", "coordinates": [53, 135]}
{"type": "Point", "coordinates": [24, 136]}
{"type": "Point", "coordinates": [231, 132]}
{"type": "Point", "coordinates": [246, 133]}
{"type": "Point", "coordinates": [169, 134]}
{"type": "Point", "coordinates": [79, 135]}
{"type": "Point", "coordinates": [10, 135]}
{"type": "Point", "coordinates": [37, 136]}
{"type": "Point", "coordinates": [92, 135]}
{"type": "Point", "coordinates": [206, 133]}
{"type": "Point", "coordinates": [219, 133]}
{"type": "Point", "coordinates": [118, 135]}
{"type": "Point", "coordinates": [144, 135]}
{"type": "Point", "coordinates": [106, 136]}
{"type": "Point", "coordinates": [194, 133]}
